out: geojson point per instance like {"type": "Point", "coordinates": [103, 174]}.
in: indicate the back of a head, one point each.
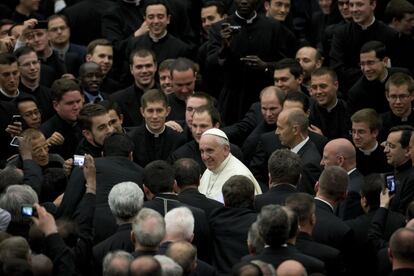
{"type": "Point", "coordinates": [14, 197]}
{"type": "Point", "coordinates": [159, 177]}
{"type": "Point", "coordinates": [273, 225]}
{"type": "Point", "coordinates": [41, 265]}
{"type": "Point", "coordinates": [184, 254]}
{"type": "Point", "coordinates": [291, 268]}
{"type": "Point", "coordinates": [149, 228]}
{"type": "Point", "coordinates": [14, 247]}
{"type": "Point", "coordinates": [187, 172]}
{"type": "Point", "coordinates": [125, 200]}
{"type": "Point", "coordinates": [402, 246]}
{"type": "Point", "coordinates": [284, 166]}
{"type": "Point", "coordinates": [118, 144]}
{"type": "Point", "coordinates": [116, 263]}
{"type": "Point", "coordinates": [145, 266]}
{"type": "Point", "coordinates": [293, 222]}
{"type": "Point", "coordinates": [168, 266]}
{"type": "Point", "coordinates": [333, 183]}
{"type": "Point", "coordinates": [299, 97]}
{"type": "Point", "coordinates": [371, 188]}
{"type": "Point", "coordinates": [246, 269]}
{"type": "Point", "coordinates": [298, 117]}
{"type": "Point", "coordinates": [10, 175]}
{"type": "Point", "coordinates": [302, 204]}
{"type": "Point", "coordinates": [238, 192]}
{"type": "Point", "coordinates": [16, 267]}
{"type": "Point", "coordinates": [254, 241]}
{"type": "Point", "coordinates": [179, 224]}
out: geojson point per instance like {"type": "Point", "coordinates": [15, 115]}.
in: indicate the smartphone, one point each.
{"type": "Point", "coordinates": [15, 141]}
{"type": "Point", "coordinates": [16, 119]}
{"type": "Point", "coordinates": [391, 183]}
{"type": "Point", "coordinates": [28, 211]}
{"type": "Point", "coordinates": [78, 160]}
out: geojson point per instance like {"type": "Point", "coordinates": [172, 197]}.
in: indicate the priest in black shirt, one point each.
{"type": "Point", "coordinates": [153, 140]}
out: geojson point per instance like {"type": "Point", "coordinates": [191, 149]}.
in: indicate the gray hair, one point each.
{"type": "Point", "coordinates": [148, 228]}
{"type": "Point", "coordinates": [168, 266]}
{"type": "Point", "coordinates": [179, 222]}
{"type": "Point", "coordinates": [110, 269]}
{"type": "Point", "coordinates": [10, 175]}
{"type": "Point", "coordinates": [254, 239]}
{"type": "Point", "coordinates": [125, 200]}
{"type": "Point", "coordinates": [16, 196]}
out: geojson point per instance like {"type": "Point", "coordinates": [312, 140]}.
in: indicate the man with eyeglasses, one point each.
{"type": "Point", "coordinates": [397, 152]}
{"type": "Point", "coordinates": [369, 90]}
{"type": "Point", "coordinates": [30, 70]}
{"type": "Point", "coordinates": [399, 91]}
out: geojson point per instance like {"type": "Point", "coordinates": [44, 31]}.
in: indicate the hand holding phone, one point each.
{"type": "Point", "coordinates": [28, 210]}
{"type": "Point", "coordinates": [390, 183]}
{"type": "Point", "coordinates": [78, 160]}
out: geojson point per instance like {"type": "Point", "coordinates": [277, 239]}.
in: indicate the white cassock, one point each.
{"type": "Point", "coordinates": [212, 181]}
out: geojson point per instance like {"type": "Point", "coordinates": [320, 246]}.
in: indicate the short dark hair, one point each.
{"type": "Point", "coordinates": [202, 95]}
{"type": "Point", "coordinates": [325, 71]}
{"type": "Point", "coordinates": [156, 2]}
{"type": "Point", "coordinates": [398, 79]}
{"type": "Point", "coordinates": [153, 95]}
{"type": "Point", "coordinates": [273, 225]}
{"type": "Point", "coordinates": [371, 188]}
{"type": "Point", "coordinates": [183, 64]}
{"type": "Point", "coordinates": [376, 46]}
{"type": "Point", "coordinates": [97, 42]}
{"type": "Point", "coordinates": [369, 116]}
{"type": "Point", "coordinates": [165, 64]}
{"type": "Point", "coordinates": [187, 172]}
{"type": "Point", "coordinates": [292, 64]}
{"type": "Point", "coordinates": [118, 144]}
{"type": "Point", "coordinates": [55, 16]}
{"type": "Point", "coordinates": [159, 177]}
{"type": "Point", "coordinates": [333, 182]}
{"type": "Point", "coordinates": [219, 6]}
{"type": "Point", "coordinates": [293, 222]}
{"type": "Point", "coordinates": [302, 204]}
{"type": "Point", "coordinates": [89, 111]}
{"type": "Point", "coordinates": [7, 59]}
{"type": "Point", "coordinates": [142, 52]}
{"type": "Point", "coordinates": [297, 96]}
{"type": "Point", "coordinates": [211, 111]}
{"type": "Point", "coordinates": [238, 192]}
{"type": "Point", "coordinates": [25, 50]}
{"type": "Point", "coordinates": [397, 10]}
{"type": "Point", "coordinates": [406, 131]}
{"type": "Point", "coordinates": [284, 166]}
{"type": "Point", "coordinates": [61, 86]}
{"type": "Point", "coordinates": [402, 245]}
{"type": "Point", "coordinates": [111, 105]}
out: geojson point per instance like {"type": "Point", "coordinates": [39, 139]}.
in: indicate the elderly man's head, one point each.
{"type": "Point", "coordinates": [125, 201]}
{"type": "Point", "coordinates": [214, 148]}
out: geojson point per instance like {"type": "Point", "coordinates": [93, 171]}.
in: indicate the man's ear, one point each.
{"type": "Point", "coordinates": [175, 187]}
{"type": "Point", "coordinates": [87, 134]}
{"type": "Point", "coordinates": [88, 57]}
{"type": "Point", "coordinates": [316, 187]}
{"type": "Point", "coordinates": [141, 110]}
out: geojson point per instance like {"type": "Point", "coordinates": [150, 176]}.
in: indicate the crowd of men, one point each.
{"type": "Point", "coordinates": [195, 137]}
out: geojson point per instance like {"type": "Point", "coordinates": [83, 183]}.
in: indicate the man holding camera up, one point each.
{"type": "Point", "coordinates": [246, 45]}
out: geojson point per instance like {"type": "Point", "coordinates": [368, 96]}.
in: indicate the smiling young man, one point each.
{"type": "Point", "coordinates": [153, 140]}
{"type": "Point", "coordinates": [166, 46]}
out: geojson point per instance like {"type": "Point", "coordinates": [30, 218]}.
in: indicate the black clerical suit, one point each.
{"type": "Point", "coordinates": [70, 131]}
{"type": "Point", "coordinates": [351, 207]}
{"type": "Point", "coordinates": [375, 162]}
{"type": "Point", "coordinates": [164, 202]}
{"type": "Point", "coordinates": [405, 187]}
{"type": "Point", "coordinates": [389, 120]}
{"type": "Point", "coordinates": [229, 228]}
{"type": "Point", "coordinates": [191, 196]}
{"type": "Point", "coordinates": [277, 194]}
{"type": "Point", "coordinates": [177, 108]}
{"type": "Point", "coordinates": [150, 147]}
{"type": "Point", "coordinates": [250, 144]}
{"type": "Point", "coordinates": [43, 96]}
{"type": "Point", "coordinates": [129, 101]}
{"type": "Point", "coordinates": [261, 36]}
{"type": "Point", "coordinates": [85, 147]}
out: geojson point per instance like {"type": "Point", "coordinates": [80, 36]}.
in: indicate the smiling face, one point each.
{"type": "Point", "coordinates": [29, 67]}
{"type": "Point", "coordinates": [91, 77]}
{"type": "Point", "coordinates": [191, 105]}
{"type": "Point", "coordinates": [362, 11]}
{"type": "Point", "coordinates": [323, 90]}
{"type": "Point", "coordinates": [40, 150]}
{"type": "Point", "coordinates": [286, 81]}
{"type": "Point", "coordinates": [372, 67]}
{"type": "Point", "coordinates": [102, 55]}
{"type": "Point", "coordinates": [209, 16]}
{"type": "Point", "coordinates": [157, 19]}
{"type": "Point", "coordinates": [155, 114]}
{"type": "Point", "coordinates": [143, 69]}
{"type": "Point", "coordinates": [278, 9]}
{"type": "Point", "coordinates": [399, 99]}
{"type": "Point", "coordinates": [213, 153]}
{"type": "Point", "coordinates": [363, 137]}
{"type": "Point", "coordinates": [395, 153]}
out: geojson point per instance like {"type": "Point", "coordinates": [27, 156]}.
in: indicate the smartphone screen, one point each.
{"type": "Point", "coordinates": [391, 185]}
{"type": "Point", "coordinates": [15, 141]}
{"type": "Point", "coordinates": [27, 210]}
{"type": "Point", "coordinates": [78, 160]}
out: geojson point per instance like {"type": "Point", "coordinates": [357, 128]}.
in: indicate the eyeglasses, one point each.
{"type": "Point", "coordinates": [30, 63]}
{"type": "Point", "coordinates": [343, 3]}
{"type": "Point", "coordinates": [33, 113]}
{"type": "Point", "coordinates": [60, 28]}
{"type": "Point", "coordinates": [368, 62]}
{"type": "Point", "coordinates": [401, 97]}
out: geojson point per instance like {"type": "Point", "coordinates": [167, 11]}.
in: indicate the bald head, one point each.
{"type": "Point", "coordinates": [146, 265]}
{"type": "Point", "coordinates": [292, 127]}
{"type": "Point", "coordinates": [291, 268]}
{"type": "Point", "coordinates": [339, 152]}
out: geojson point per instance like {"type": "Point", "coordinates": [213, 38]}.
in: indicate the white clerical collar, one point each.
{"type": "Point", "coordinates": [248, 21]}
{"type": "Point", "coordinates": [318, 198]}
{"type": "Point", "coordinates": [156, 39]}
{"type": "Point", "coordinates": [351, 171]}
{"type": "Point", "coordinates": [369, 151]}
{"type": "Point", "coordinates": [156, 134]}
{"type": "Point", "coordinates": [8, 96]}
{"type": "Point", "coordinates": [368, 25]}
{"type": "Point", "coordinates": [297, 148]}
{"type": "Point", "coordinates": [330, 109]}
{"type": "Point", "coordinates": [222, 165]}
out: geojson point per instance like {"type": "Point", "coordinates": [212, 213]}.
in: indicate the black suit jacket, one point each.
{"type": "Point", "coordinates": [229, 228]}
{"type": "Point", "coordinates": [193, 197]}
{"type": "Point", "coordinates": [351, 207]}
{"type": "Point", "coordinates": [165, 202]}
{"type": "Point", "coordinates": [129, 100]}
{"type": "Point", "coordinates": [330, 256]}
{"type": "Point", "coordinates": [276, 195]}
{"type": "Point", "coordinates": [121, 240]}
{"type": "Point", "coordinates": [276, 256]}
